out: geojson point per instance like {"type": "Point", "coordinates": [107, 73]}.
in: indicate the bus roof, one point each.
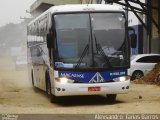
{"type": "Point", "coordinates": [84, 7]}
{"type": "Point", "coordinates": [80, 8]}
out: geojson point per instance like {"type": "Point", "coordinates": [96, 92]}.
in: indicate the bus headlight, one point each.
{"type": "Point", "coordinates": [121, 79]}
{"type": "Point", "coordinates": [62, 80]}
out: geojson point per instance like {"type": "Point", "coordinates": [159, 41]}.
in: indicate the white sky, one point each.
{"type": "Point", "coordinates": [12, 10]}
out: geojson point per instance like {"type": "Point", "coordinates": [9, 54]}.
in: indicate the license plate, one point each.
{"type": "Point", "coordinates": [94, 88]}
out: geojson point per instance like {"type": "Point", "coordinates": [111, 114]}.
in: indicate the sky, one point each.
{"type": "Point", "coordinates": [12, 10]}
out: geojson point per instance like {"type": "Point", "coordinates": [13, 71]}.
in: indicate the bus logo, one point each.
{"type": "Point", "coordinates": [97, 78]}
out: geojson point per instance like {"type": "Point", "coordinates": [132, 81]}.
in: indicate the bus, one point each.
{"type": "Point", "coordinates": [80, 50]}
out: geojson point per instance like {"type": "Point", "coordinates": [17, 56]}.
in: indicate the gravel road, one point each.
{"type": "Point", "coordinates": [17, 96]}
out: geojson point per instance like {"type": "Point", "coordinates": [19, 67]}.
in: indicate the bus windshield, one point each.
{"type": "Point", "coordinates": [91, 40]}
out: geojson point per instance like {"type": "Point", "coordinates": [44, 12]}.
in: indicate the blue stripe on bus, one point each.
{"type": "Point", "coordinates": [87, 76]}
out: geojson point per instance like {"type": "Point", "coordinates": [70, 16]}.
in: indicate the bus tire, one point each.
{"type": "Point", "coordinates": [52, 98]}
{"type": "Point", "coordinates": [111, 98]}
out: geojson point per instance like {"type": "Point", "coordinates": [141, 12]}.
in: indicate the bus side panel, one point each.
{"type": "Point", "coordinates": [36, 60]}
{"type": "Point", "coordinates": [37, 34]}
{"type": "Point", "coordinates": [40, 66]}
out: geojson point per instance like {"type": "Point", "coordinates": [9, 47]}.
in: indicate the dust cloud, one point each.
{"type": "Point", "coordinates": [14, 74]}
{"type": "Point", "coordinates": [12, 79]}
{"type": "Point", "coordinates": [13, 57]}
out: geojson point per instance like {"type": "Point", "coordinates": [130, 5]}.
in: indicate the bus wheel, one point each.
{"type": "Point", "coordinates": [111, 98]}
{"type": "Point", "coordinates": [53, 98]}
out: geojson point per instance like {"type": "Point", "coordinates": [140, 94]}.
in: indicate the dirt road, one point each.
{"type": "Point", "coordinates": [18, 96]}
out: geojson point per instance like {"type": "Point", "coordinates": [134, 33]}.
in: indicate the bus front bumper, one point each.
{"type": "Point", "coordinates": [71, 89]}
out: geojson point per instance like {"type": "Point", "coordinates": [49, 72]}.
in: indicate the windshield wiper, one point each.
{"type": "Point", "coordinates": [82, 56]}
{"type": "Point", "coordinates": [101, 51]}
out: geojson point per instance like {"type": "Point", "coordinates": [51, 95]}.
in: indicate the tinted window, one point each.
{"type": "Point", "coordinates": [155, 59]}
{"type": "Point", "coordinates": [149, 59]}
{"type": "Point", "coordinates": [90, 40]}
{"type": "Point", "coordinates": [35, 51]}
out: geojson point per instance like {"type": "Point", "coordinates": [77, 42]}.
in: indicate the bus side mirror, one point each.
{"type": "Point", "coordinates": [50, 40]}
{"type": "Point", "coordinates": [133, 38]}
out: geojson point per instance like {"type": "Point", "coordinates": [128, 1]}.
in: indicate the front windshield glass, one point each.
{"type": "Point", "coordinates": [90, 40]}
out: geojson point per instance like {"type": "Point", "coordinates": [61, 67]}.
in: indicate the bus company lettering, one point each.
{"type": "Point", "coordinates": [71, 75]}
{"type": "Point", "coordinates": [117, 73]}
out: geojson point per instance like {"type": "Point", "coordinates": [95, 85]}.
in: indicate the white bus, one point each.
{"type": "Point", "coordinates": [80, 50]}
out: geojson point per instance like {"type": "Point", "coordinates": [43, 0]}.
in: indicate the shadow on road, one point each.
{"type": "Point", "coordinates": [85, 100]}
